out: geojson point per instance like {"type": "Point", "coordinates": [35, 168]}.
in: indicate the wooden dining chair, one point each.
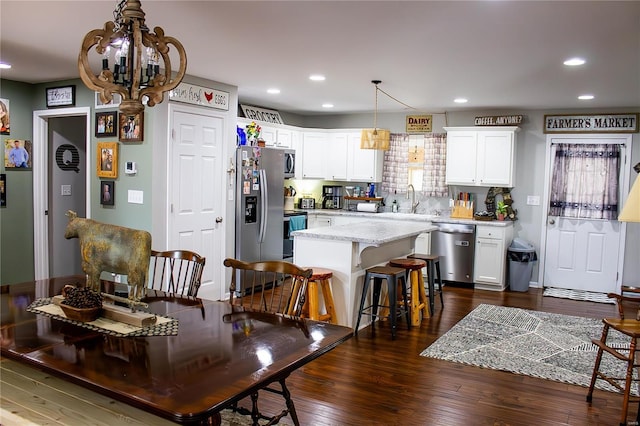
{"type": "Point", "coordinates": [176, 271]}
{"type": "Point", "coordinates": [622, 348]}
{"type": "Point", "coordinates": [275, 287]}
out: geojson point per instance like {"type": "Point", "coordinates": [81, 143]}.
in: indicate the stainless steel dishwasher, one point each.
{"type": "Point", "coordinates": [455, 244]}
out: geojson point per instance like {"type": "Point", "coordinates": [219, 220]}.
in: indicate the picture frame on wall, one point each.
{"type": "Point", "coordinates": [5, 118]}
{"type": "Point", "coordinates": [3, 190]}
{"type": "Point", "coordinates": [107, 161]}
{"type": "Point", "coordinates": [17, 154]}
{"type": "Point", "coordinates": [107, 192]}
{"type": "Point", "coordinates": [106, 124]}
{"type": "Point", "coordinates": [62, 96]}
{"type": "Point", "coordinates": [114, 102]}
{"type": "Point", "coordinates": [131, 127]}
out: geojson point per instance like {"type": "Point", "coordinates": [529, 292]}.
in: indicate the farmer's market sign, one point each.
{"type": "Point", "coordinates": [591, 123]}
{"type": "Point", "coordinates": [419, 123]}
{"type": "Point", "coordinates": [198, 95]}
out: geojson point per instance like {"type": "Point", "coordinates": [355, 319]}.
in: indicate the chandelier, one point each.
{"type": "Point", "coordinates": [137, 75]}
{"type": "Point", "coordinates": [375, 138]}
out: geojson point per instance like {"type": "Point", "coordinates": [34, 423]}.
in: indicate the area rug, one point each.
{"type": "Point", "coordinates": [538, 344]}
{"type": "Point", "coordinates": [586, 296]}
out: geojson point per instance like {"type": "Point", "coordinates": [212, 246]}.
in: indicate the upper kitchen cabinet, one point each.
{"type": "Point", "coordinates": [335, 155]}
{"type": "Point", "coordinates": [275, 137]}
{"type": "Point", "coordinates": [481, 156]}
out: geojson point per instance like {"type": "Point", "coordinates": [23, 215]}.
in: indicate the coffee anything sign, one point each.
{"type": "Point", "coordinates": [594, 123]}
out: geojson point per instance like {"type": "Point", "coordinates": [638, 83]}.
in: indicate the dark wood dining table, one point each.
{"type": "Point", "coordinates": [219, 355]}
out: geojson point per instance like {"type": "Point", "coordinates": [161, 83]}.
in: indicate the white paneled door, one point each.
{"type": "Point", "coordinates": [195, 184]}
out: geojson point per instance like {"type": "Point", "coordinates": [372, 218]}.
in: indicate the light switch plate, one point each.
{"type": "Point", "coordinates": [135, 197]}
{"type": "Point", "coordinates": [65, 190]}
{"type": "Point", "coordinates": [533, 200]}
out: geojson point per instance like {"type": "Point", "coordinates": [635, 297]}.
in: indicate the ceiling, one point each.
{"type": "Point", "coordinates": [497, 54]}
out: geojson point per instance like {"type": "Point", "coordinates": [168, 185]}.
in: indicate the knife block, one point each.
{"type": "Point", "coordinates": [462, 210]}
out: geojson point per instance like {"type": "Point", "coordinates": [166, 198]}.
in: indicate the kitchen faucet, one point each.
{"type": "Point", "coordinates": [414, 205]}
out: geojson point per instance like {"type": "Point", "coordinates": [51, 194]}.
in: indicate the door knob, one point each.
{"type": "Point", "coordinates": [552, 221]}
{"type": "Point", "coordinates": [218, 219]}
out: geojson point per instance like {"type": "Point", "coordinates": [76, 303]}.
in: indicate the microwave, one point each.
{"type": "Point", "coordinates": [289, 163]}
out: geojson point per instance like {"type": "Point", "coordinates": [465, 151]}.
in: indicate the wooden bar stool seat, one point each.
{"type": "Point", "coordinates": [320, 278]}
{"type": "Point", "coordinates": [394, 277]}
{"type": "Point", "coordinates": [433, 277]}
{"type": "Point", "coordinates": [419, 301]}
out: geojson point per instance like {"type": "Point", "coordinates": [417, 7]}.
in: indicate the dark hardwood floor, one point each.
{"type": "Point", "coordinates": [378, 381]}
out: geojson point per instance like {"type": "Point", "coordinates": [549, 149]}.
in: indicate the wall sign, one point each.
{"type": "Point", "coordinates": [591, 123]}
{"type": "Point", "coordinates": [419, 123]}
{"type": "Point", "coordinates": [261, 114]}
{"type": "Point", "coordinates": [498, 120]}
{"type": "Point", "coordinates": [61, 96]}
{"type": "Point", "coordinates": [68, 158]}
{"type": "Point", "coordinates": [198, 95]}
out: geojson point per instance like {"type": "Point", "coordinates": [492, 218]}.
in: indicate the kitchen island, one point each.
{"type": "Point", "coordinates": [348, 250]}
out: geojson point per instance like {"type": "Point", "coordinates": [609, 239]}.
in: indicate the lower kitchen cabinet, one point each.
{"type": "Point", "coordinates": [489, 269]}
{"type": "Point", "coordinates": [316, 221]}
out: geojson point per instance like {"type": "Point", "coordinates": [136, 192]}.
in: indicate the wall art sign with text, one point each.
{"type": "Point", "coordinates": [198, 95]}
{"type": "Point", "coordinates": [261, 114]}
{"type": "Point", "coordinates": [61, 96]}
{"type": "Point", "coordinates": [498, 120]}
{"type": "Point", "coordinates": [419, 123]}
{"type": "Point", "coordinates": [591, 123]}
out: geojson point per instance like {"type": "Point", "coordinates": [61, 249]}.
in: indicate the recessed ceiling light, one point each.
{"type": "Point", "coordinates": [585, 97]}
{"type": "Point", "coordinates": [574, 62]}
{"type": "Point", "coordinates": [317, 77]}
{"type": "Point", "coordinates": [273, 91]}
{"type": "Point", "coordinates": [4, 66]}
{"type": "Point", "coordinates": [327, 105]}
{"type": "Point", "coordinates": [460, 100]}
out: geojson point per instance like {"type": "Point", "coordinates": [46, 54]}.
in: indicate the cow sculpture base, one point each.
{"type": "Point", "coordinates": [112, 248]}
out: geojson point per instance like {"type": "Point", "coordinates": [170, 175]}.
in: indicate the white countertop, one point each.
{"type": "Point", "coordinates": [375, 233]}
{"type": "Point", "coordinates": [409, 217]}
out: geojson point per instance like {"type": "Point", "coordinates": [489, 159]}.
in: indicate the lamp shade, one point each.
{"type": "Point", "coordinates": [375, 139]}
{"type": "Point", "coordinates": [631, 209]}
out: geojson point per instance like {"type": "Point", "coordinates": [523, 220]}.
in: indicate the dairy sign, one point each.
{"type": "Point", "coordinates": [419, 123]}
{"type": "Point", "coordinates": [198, 95]}
{"type": "Point", "coordinates": [591, 123]}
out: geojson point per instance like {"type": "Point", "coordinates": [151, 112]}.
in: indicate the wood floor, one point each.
{"type": "Point", "coordinates": [378, 381]}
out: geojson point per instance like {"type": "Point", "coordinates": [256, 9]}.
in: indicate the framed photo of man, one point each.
{"type": "Point", "coordinates": [17, 154]}
{"type": "Point", "coordinates": [106, 124]}
{"type": "Point", "coordinates": [107, 192]}
{"type": "Point", "coordinates": [107, 161]}
{"type": "Point", "coordinates": [131, 127]}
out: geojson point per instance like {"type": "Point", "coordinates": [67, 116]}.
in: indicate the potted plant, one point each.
{"type": "Point", "coordinates": [501, 210]}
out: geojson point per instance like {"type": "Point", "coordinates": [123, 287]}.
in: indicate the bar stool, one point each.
{"type": "Point", "coordinates": [419, 302]}
{"type": "Point", "coordinates": [433, 274]}
{"type": "Point", "coordinates": [320, 278]}
{"type": "Point", "coordinates": [393, 276]}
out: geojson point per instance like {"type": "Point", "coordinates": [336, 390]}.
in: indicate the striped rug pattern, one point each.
{"type": "Point", "coordinates": [585, 296]}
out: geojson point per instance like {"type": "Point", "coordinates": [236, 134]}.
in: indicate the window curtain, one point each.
{"type": "Point", "coordinates": [395, 173]}
{"type": "Point", "coordinates": [585, 181]}
{"type": "Point", "coordinates": [435, 160]}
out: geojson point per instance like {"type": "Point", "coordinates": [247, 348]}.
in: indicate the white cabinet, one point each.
{"type": "Point", "coordinates": [277, 137]}
{"type": "Point", "coordinates": [481, 156]}
{"type": "Point", "coordinates": [364, 165]}
{"type": "Point", "coordinates": [490, 257]}
{"type": "Point", "coordinates": [337, 156]}
{"type": "Point", "coordinates": [316, 221]}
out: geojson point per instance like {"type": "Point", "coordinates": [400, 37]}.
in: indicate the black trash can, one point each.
{"type": "Point", "coordinates": [521, 255]}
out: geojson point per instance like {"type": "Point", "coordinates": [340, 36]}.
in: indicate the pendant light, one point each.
{"type": "Point", "coordinates": [375, 138]}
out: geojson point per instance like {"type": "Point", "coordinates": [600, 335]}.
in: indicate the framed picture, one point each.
{"type": "Point", "coordinates": [3, 190]}
{"type": "Point", "coordinates": [61, 96]}
{"type": "Point", "coordinates": [131, 127]}
{"type": "Point", "coordinates": [17, 154]}
{"type": "Point", "coordinates": [114, 102]}
{"type": "Point", "coordinates": [107, 162]}
{"type": "Point", "coordinates": [107, 192]}
{"type": "Point", "coordinates": [106, 123]}
{"type": "Point", "coordinates": [4, 117]}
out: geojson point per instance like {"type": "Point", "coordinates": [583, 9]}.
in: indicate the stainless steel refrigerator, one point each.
{"type": "Point", "coordinates": [259, 203]}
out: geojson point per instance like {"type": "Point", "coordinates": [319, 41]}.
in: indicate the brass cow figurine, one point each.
{"type": "Point", "coordinates": [111, 248]}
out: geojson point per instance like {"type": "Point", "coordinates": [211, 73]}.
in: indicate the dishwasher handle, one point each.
{"type": "Point", "coordinates": [456, 229]}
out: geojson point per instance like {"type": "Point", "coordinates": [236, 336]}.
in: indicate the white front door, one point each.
{"type": "Point", "coordinates": [584, 254]}
{"type": "Point", "coordinates": [195, 191]}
